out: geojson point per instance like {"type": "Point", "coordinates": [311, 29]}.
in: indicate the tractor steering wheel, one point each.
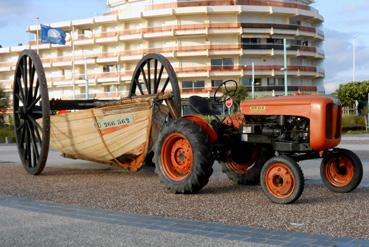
{"type": "Point", "coordinates": [225, 91]}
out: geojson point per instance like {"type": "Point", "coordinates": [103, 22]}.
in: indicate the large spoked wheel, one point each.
{"type": "Point", "coordinates": [31, 112]}
{"type": "Point", "coordinates": [244, 164]}
{"type": "Point", "coordinates": [282, 180]}
{"type": "Point", "coordinates": [341, 171]}
{"type": "Point", "coordinates": [182, 157]}
{"type": "Point", "coordinates": [155, 74]}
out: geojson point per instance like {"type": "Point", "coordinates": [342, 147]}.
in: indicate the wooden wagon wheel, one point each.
{"type": "Point", "coordinates": [154, 74]}
{"type": "Point", "coordinates": [31, 103]}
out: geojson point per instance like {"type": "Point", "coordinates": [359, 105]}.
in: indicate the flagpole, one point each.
{"type": "Point", "coordinates": [37, 34]}
{"type": "Point", "coordinates": [73, 64]}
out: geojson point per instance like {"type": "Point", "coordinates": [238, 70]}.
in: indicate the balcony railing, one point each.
{"type": "Point", "coordinates": [279, 26]}
{"type": "Point", "coordinates": [198, 3]}
{"type": "Point", "coordinates": [281, 88]}
{"type": "Point", "coordinates": [259, 46]}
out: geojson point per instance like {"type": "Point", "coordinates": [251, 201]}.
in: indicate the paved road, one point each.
{"type": "Point", "coordinates": [29, 223]}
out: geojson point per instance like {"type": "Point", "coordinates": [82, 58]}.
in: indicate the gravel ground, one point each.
{"type": "Point", "coordinates": [318, 210]}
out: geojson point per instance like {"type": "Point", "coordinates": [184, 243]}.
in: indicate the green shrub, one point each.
{"type": "Point", "coordinates": [353, 123]}
{"type": "Point", "coordinates": [7, 132]}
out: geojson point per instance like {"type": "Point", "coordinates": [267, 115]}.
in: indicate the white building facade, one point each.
{"type": "Point", "coordinates": [206, 42]}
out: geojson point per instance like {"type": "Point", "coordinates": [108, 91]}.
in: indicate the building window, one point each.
{"type": "Point", "coordinates": [216, 63]}
{"type": "Point", "coordinates": [199, 84]}
{"type": "Point", "coordinates": [110, 68]}
{"type": "Point", "coordinates": [251, 41]}
{"type": "Point", "coordinates": [107, 89]}
{"type": "Point", "coordinates": [187, 84]}
{"type": "Point", "coordinates": [216, 83]}
{"type": "Point", "coordinates": [193, 84]}
{"type": "Point", "coordinates": [275, 81]}
{"type": "Point", "coordinates": [275, 41]}
{"type": "Point", "coordinates": [228, 62]}
{"type": "Point", "coordinates": [221, 63]}
{"type": "Point", "coordinates": [247, 82]}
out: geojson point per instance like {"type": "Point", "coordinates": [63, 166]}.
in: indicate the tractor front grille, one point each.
{"type": "Point", "coordinates": [333, 121]}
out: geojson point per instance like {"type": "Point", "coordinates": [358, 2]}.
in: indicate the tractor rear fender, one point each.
{"type": "Point", "coordinates": [213, 136]}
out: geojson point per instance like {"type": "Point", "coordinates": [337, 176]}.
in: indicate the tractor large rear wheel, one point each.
{"type": "Point", "coordinates": [244, 164]}
{"type": "Point", "coordinates": [183, 157]}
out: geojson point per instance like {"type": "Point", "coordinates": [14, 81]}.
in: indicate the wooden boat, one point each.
{"type": "Point", "coordinates": [116, 135]}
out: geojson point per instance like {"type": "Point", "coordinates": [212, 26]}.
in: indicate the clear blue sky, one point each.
{"type": "Point", "coordinates": [344, 21]}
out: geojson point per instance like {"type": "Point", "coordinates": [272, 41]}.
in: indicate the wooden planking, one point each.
{"type": "Point", "coordinates": [76, 134]}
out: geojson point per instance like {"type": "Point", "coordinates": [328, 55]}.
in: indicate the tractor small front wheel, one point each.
{"type": "Point", "coordinates": [282, 180]}
{"type": "Point", "coordinates": [183, 157]}
{"type": "Point", "coordinates": [341, 171]}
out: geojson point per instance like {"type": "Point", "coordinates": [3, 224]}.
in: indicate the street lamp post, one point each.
{"type": "Point", "coordinates": [285, 67]}
{"type": "Point", "coordinates": [37, 34]}
{"type": "Point", "coordinates": [253, 81]}
{"type": "Point", "coordinates": [353, 60]}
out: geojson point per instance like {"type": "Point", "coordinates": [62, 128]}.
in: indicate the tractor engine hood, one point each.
{"type": "Point", "coordinates": [324, 114]}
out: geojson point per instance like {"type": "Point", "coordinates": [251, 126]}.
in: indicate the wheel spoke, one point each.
{"type": "Point", "coordinates": [20, 89]}
{"type": "Point", "coordinates": [149, 76]}
{"type": "Point", "coordinates": [31, 79]}
{"type": "Point", "coordinates": [34, 122]}
{"type": "Point", "coordinates": [28, 147]}
{"type": "Point", "coordinates": [21, 126]}
{"type": "Point", "coordinates": [159, 79]}
{"type": "Point", "coordinates": [145, 79]}
{"type": "Point", "coordinates": [36, 88]}
{"type": "Point", "coordinates": [155, 74]}
{"type": "Point", "coordinates": [23, 136]}
{"type": "Point", "coordinates": [165, 85]}
{"type": "Point", "coordinates": [35, 101]}
{"type": "Point", "coordinates": [25, 77]}
{"type": "Point", "coordinates": [19, 98]}
{"type": "Point", "coordinates": [139, 86]}
{"type": "Point", "coordinates": [34, 144]}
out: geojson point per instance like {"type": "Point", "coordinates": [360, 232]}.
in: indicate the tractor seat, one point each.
{"type": "Point", "coordinates": [200, 105]}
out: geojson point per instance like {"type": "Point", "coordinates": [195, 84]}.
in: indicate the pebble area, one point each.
{"type": "Point", "coordinates": [318, 211]}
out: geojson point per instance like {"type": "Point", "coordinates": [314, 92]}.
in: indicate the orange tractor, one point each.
{"type": "Point", "coordinates": [261, 144]}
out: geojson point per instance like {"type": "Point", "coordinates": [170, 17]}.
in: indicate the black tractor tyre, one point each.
{"type": "Point", "coordinates": [245, 162]}
{"type": "Point", "coordinates": [282, 180]}
{"type": "Point", "coordinates": [183, 157]}
{"type": "Point", "coordinates": [344, 174]}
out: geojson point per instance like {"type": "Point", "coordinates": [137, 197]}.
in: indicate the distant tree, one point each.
{"type": "Point", "coordinates": [240, 95]}
{"type": "Point", "coordinates": [350, 92]}
{"type": "Point", "coordinates": [4, 104]}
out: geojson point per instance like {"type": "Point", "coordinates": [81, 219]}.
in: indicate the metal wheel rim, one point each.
{"type": "Point", "coordinates": [176, 157]}
{"type": "Point", "coordinates": [334, 176]}
{"type": "Point", "coordinates": [30, 103]}
{"type": "Point", "coordinates": [152, 75]}
{"type": "Point", "coordinates": [280, 180]}
{"type": "Point", "coordinates": [243, 167]}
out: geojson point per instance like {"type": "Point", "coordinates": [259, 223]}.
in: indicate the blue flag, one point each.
{"type": "Point", "coordinates": [52, 35]}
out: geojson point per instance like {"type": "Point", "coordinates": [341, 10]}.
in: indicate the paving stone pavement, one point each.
{"type": "Point", "coordinates": [236, 234]}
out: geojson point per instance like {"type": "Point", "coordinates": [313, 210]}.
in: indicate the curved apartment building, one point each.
{"type": "Point", "coordinates": [206, 41]}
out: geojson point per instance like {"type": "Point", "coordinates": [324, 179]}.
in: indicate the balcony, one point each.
{"type": "Point", "coordinates": [256, 48]}
{"type": "Point", "coordinates": [281, 88]}
{"type": "Point", "coordinates": [279, 26]}
{"type": "Point", "coordinates": [184, 3]}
